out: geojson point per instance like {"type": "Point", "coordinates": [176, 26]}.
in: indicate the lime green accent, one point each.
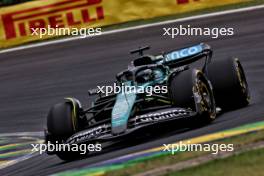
{"type": "Point", "coordinates": [16, 153]}
{"type": "Point", "coordinates": [164, 101]}
{"type": "Point", "coordinates": [94, 171]}
{"type": "Point", "coordinates": [74, 113]}
{"type": "Point", "coordinates": [13, 146]}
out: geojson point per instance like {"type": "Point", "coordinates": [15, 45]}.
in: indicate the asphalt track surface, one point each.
{"type": "Point", "coordinates": [34, 79]}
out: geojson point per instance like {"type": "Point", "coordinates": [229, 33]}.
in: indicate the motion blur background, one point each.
{"type": "Point", "coordinates": [37, 73]}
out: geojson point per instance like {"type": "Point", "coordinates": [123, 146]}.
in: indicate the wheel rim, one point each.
{"type": "Point", "coordinates": [207, 101]}
{"type": "Point", "coordinates": [242, 79]}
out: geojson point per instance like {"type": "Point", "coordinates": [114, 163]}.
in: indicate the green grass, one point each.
{"type": "Point", "coordinates": [245, 164]}
{"type": "Point", "coordinates": [165, 160]}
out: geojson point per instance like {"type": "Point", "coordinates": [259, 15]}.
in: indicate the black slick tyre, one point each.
{"type": "Point", "coordinates": [191, 89]}
{"type": "Point", "coordinates": [229, 83]}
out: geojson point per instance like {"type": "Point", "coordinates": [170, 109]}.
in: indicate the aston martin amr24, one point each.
{"type": "Point", "coordinates": [193, 93]}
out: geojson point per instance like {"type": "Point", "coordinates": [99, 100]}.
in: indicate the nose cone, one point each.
{"type": "Point", "coordinates": [121, 111]}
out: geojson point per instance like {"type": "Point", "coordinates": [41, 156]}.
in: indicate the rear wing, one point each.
{"type": "Point", "coordinates": [186, 55]}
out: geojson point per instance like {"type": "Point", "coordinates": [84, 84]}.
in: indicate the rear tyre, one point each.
{"type": "Point", "coordinates": [229, 82]}
{"type": "Point", "coordinates": [62, 122]}
{"type": "Point", "coordinates": [191, 89]}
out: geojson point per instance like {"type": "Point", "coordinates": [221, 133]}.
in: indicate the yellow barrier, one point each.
{"type": "Point", "coordinates": [18, 22]}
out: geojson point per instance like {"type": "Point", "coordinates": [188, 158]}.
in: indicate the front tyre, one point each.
{"type": "Point", "coordinates": [62, 122]}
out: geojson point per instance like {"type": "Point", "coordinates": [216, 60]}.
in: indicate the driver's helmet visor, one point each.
{"type": "Point", "coordinates": [127, 77]}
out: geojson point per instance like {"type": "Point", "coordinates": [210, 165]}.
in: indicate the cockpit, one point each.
{"type": "Point", "coordinates": [142, 74]}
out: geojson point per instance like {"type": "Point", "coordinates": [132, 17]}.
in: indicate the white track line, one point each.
{"type": "Point", "coordinates": [136, 27]}
{"type": "Point", "coordinates": [38, 134]}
